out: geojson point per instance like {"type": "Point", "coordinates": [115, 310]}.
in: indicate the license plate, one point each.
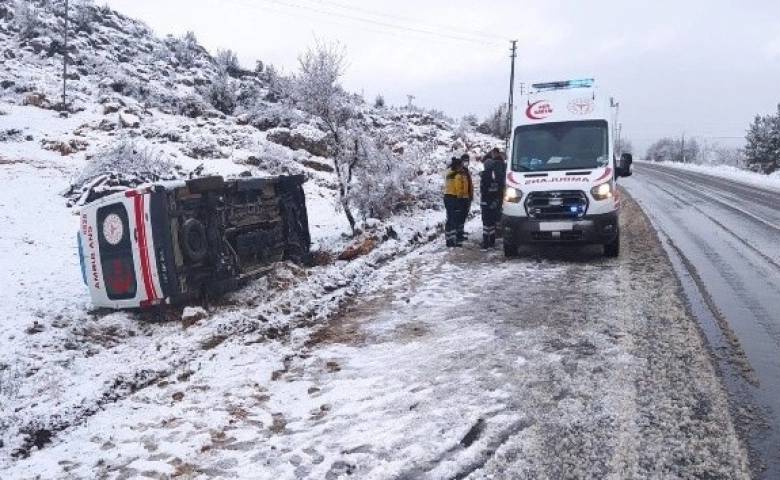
{"type": "Point", "coordinates": [555, 226]}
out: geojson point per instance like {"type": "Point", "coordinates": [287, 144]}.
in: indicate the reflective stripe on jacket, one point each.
{"type": "Point", "coordinates": [456, 184]}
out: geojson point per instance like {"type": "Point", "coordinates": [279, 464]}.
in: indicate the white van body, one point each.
{"type": "Point", "coordinates": [172, 242]}
{"type": "Point", "coordinates": [561, 169]}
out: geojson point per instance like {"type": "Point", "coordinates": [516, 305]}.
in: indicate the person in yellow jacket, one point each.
{"type": "Point", "coordinates": [456, 189]}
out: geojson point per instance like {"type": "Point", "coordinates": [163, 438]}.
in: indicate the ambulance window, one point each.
{"type": "Point", "coordinates": [116, 253]}
{"type": "Point", "coordinates": [560, 146]}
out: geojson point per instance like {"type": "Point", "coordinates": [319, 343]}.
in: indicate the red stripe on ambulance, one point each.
{"type": "Point", "coordinates": [138, 202]}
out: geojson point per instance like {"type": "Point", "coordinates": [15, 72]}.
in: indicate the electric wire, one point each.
{"type": "Point", "coordinates": [379, 23]}
{"type": "Point", "coordinates": [475, 33]}
{"type": "Point", "coordinates": [302, 10]}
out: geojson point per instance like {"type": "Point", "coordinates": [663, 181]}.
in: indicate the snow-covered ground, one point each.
{"type": "Point", "coordinates": [62, 363]}
{"type": "Point", "coordinates": [400, 364]}
{"type": "Point", "coordinates": [729, 172]}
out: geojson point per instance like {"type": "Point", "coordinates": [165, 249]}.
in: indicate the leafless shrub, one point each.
{"type": "Point", "coordinates": [26, 19]}
{"type": "Point", "coordinates": [126, 156]}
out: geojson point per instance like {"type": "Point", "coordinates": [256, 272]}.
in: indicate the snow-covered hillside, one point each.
{"type": "Point", "coordinates": [125, 82]}
{"type": "Point", "coordinates": [61, 362]}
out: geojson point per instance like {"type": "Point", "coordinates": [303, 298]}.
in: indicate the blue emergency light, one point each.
{"type": "Point", "coordinates": [564, 84]}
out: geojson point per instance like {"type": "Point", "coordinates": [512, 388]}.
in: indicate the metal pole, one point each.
{"type": "Point", "coordinates": [65, 62]}
{"type": "Point", "coordinates": [510, 105]}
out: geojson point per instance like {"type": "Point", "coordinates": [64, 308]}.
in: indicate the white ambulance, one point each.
{"type": "Point", "coordinates": [173, 242]}
{"type": "Point", "coordinates": [562, 169]}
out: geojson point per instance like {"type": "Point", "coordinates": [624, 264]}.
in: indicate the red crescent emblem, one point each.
{"type": "Point", "coordinates": [530, 114]}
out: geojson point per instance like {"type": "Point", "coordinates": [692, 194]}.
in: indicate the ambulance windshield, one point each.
{"type": "Point", "coordinates": [560, 146]}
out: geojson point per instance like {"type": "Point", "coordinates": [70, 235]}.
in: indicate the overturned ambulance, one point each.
{"type": "Point", "coordinates": [560, 183]}
{"type": "Point", "coordinates": [170, 242]}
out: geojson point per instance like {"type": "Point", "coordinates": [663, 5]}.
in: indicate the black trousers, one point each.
{"type": "Point", "coordinates": [465, 207]}
{"type": "Point", "coordinates": [491, 213]}
{"type": "Point", "coordinates": [454, 208]}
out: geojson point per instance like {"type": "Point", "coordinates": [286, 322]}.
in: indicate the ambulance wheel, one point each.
{"type": "Point", "coordinates": [510, 248]}
{"type": "Point", "coordinates": [612, 249]}
{"type": "Point", "coordinates": [193, 240]}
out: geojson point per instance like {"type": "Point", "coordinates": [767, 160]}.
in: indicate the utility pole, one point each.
{"type": "Point", "coordinates": [510, 105]}
{"type": "Point", "coordinates": [65, 64]}
{"type": "Point", "coordinates": [615, 131]}
{"type": "Point", "coordinates": [682, 149]}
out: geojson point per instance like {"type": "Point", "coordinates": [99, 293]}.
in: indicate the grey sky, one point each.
{"type": "Point", "coordinates": [705, 68]}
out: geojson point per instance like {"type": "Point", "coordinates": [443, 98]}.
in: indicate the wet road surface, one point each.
{"type": "Point", "coordinates": [722, 236]}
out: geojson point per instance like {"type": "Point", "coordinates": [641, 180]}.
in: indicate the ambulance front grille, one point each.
{"type": "Point", "coordinates": [556, 205]}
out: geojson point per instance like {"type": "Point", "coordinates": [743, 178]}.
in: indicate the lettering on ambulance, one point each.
{"type": "Point", "coordinates": [89, 236]}
{"type": "Point", "coordinates": [556, 180]}
{"type": "Point", "coordinates": [538, 110]}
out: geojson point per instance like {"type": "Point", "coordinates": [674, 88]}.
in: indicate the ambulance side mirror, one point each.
{"type": "Point", "coordinates": [623, 168]}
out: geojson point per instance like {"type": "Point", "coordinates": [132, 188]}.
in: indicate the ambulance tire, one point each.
{"type": "Point", "coordinates": [510, 248]}
{"type": "Point", "coordinates": [612, 249]}
{"type": "Point", "coordinates": [193, 240]}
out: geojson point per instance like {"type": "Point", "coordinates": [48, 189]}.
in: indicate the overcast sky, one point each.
{"type": "Point", "coordinates": [700, 67]}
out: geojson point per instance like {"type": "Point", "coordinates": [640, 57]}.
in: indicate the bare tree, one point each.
{"type": "Point", "coordinates": [389, 181]}
{"type": "Point", "coordinates": [227, 62]}
{"type": "Point", "coordinates": [26, 19]}
{"type": "Point", "coordinates": [497, 123]}
{"type": "Point", "coordinates": [464, 134]}
{"type": "Point", "coordinates": [674, 150]}
{"type": "Point", "coordinates": [221, 93]}
{"type": "Point", "coordinates": [317, 91]}
{"type": "Point", "coordinates": [83, 15]}
{"type": "Point", "coordinates": [186, 49]}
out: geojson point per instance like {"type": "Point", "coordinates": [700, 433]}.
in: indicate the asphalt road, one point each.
{"type": "Point", "coordinates": [722, 237]}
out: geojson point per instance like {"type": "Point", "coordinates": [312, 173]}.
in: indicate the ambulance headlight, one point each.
{"type": "Point", "coordinates": [603, 191]}
{"type": "Point", "coordinates": [512, 195]}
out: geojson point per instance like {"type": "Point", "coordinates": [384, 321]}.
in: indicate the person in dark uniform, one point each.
{"type": "Point", "coordinates": [490, 192]}
{"type": "Point", "coordinates": [455, 190]}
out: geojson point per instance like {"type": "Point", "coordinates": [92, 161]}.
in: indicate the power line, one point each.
{"type": "Point", "coordinates": [378, 22]}
{"type": "Point", "coordinates": [298, 8]}
{"type": "Point", "coordinates": [476, 33]}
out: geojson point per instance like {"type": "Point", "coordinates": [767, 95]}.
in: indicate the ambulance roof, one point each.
{"type": "Point", "coordinates": [562, 101]}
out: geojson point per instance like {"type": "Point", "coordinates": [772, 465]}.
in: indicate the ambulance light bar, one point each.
{"type": "Point", "coordinates": [564, 84]}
